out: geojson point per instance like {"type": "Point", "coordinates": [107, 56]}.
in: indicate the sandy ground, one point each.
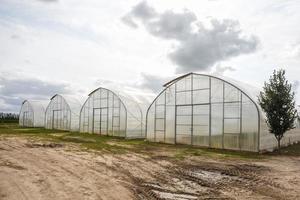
{"type": "Point", "coordinates": [30, 170]}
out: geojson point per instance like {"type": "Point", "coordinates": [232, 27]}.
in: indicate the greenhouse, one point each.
{"type": "Point", "coordinates": [32, 114]}
{"type": "Point", "coordinates": [210, 111]}
{"type": "Point", "coordinates": [62, 113]}
{"type": "Point", "coordinates": [106, 112]}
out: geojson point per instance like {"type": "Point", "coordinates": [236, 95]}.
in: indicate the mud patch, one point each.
{"type": "Point", "coordinates": [44, 145]}
{"type": "Point", "coordinates": [210, 181]}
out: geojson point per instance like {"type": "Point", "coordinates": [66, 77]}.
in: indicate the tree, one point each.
{"type": "Point", "coordinates": [277, 101]}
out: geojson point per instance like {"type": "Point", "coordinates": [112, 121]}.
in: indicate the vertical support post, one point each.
{"type": "Point", "coordinates": [112, 114]}
{"type": "Point", "coordinates": [223, 115]}
{"type": "Point", "coordinates": [93, 116]}
{"type": "Point", "coordinates": [70, 120]}
{"type": "Point", "coordinates": [107, 111]}
{"type": "Point", "coordinates": [52, 119]}
{"type": "Point", "coordinates": [80, 119]}
{"type": "Point", "coordinates": [241, 111]}
{"type": "Point", "coordinates": [209, 112]}
{"type": "Point", "coordinates": [155, 122]}
{"type": "Point", "coordinates": [192, 114]}
{"type": "Point", "coordinates": [258, 128]}
{"type": "Point", "coordinates": [93, 122]}
{"type": "Point", "coordinates": [142, 135]}
{"type": "Point", "coordinates": [120, 119]}
{"type": "Point", "coordinates": [165, 114]}
{"type": "Point", "coordinates": [32, 119]}
{"type": "Point", "coordinates": [89, 111]}
{"type": "Point", "coordinates": [175, 128]}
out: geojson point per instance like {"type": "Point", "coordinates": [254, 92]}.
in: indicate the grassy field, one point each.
{"type": "Point", "coordinates": [120, 145]}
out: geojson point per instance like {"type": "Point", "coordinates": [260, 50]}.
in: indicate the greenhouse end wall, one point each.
{"type": "Point", "coordinates": [32, 114]}
{"type": "Point", "coordinates": [62, 113]}
{"type": "Point", "coordinates": [108, 113]}
{"type": "Point", "coordinates": [204, 111]}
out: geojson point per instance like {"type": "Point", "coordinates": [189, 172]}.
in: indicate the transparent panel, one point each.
{"type": "Point", "coordinates": [160, 136]}
{"type": "Point", "coordinates": [160, 124]}
{"type": "Point", "coordinates": [232, 110]}
{"type": "Point", "coordinates": [150, 123]}
{"type": "Point", "coordinates": [170, 95]}
{"type": "Point", "coordinates": [170, 124]}
{"type": "Point", "coordinates": [249, 136]}
{"type": "Point", "coordinates": [183, 124]}
{"type": "Point", "coordinates": [201, 125]}
{"type": "Point", "coordinates": [232, 126]}
{"type": "Point", "coordinates": [231, 93]}
{"type": "Point", "coordinates": [26, 116]}
{"type": "Point", "coordinates": [183, 98]}
{"type": "Point", "coordinates": [160, 111]}
{"type": "Point", "coordinates": [184, 84]}
{"type": "Point", "coordinates": [216, 90]}
{"type": "Point", "coordinates": [231, 141]}
{"type": "Point", "coordinates": [200, 96]}
{"type": "Point", "coordinates": [231, 133]}
{"type": "Point", "coordinates": [217, 125]}
{"type": "Point", "coordinates": [161, 99]}
{"type": "Point", "coordinates": [200, 82]}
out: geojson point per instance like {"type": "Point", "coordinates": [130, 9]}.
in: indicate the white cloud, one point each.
{"type": "Point", "coordinates": [199, 47]}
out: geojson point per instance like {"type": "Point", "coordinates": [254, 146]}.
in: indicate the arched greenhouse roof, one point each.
{"type": "Point", "coordinates": [250, 91]}
{"type": "Point", "coordinates": [73, 103]}
{"type": "Point", "coordinates": [36, 105]}
{"type": "Point", "coordinates": [129, 100]}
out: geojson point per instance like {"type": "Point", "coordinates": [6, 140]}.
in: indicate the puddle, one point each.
{"type": "Point", "coordinates": [209, 176]}
{"type": "Point", "coordinates": [174, 196]}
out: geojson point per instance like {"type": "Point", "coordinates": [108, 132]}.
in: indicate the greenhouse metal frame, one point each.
{"type": "Point", "coordinates": [62, 113]}
{"type": "Point", "coordinates": [206, 110]}
{"type": "Point", "coordinates": [113, 113]}
{"type": "Point", "coordinates": [32, 114]}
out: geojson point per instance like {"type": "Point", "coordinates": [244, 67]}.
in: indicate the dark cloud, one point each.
{"type": "Point", "coordinates": [143, 11]}
{"type": "Point", "coordinates": [128, 21]}
{"type": "Point", "coordinates": [30, 86]}
{"type": "Point", "coordinates": [153, 82]}
{"type": "Point", "coordinates": [199, 47]}
{"type": "Point", "coordinates": [14, 91]}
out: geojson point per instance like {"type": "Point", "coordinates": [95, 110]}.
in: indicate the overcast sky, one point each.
{"type": "Point", "coordinates": [74, 46]}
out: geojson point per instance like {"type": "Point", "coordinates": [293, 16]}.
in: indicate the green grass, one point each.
{"type": "Point", "coordinates": [121, 145]}
{"type": "Point", "coordinates": [292, 150]}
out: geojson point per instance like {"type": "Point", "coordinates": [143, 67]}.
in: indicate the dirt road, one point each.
{"type": "Point", "coordinates": [35, 170]}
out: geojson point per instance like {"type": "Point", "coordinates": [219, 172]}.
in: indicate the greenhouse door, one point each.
{"type": "Point", "coordinates": [183, 124]}
{"type": "Point", "coordinates": [100, 116]}
{"type": "Point", "coordinates": [56, 119]}
{"type": "Point", "coordinates": [192, 124]}
{"type": "Point", "coordinates": [25, 119]}
{"type": "Point", "coordinates": [201, 125]}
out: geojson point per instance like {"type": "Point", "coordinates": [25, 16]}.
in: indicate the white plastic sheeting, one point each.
{"type": "Point", "coordinates": [32, 113]}
{"type": "Point", "coordinates": [62, 113]}
{"type": "Point", "coordinates": [206, 110]}
{"type": "Point", "coordinates": [113, 113]}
